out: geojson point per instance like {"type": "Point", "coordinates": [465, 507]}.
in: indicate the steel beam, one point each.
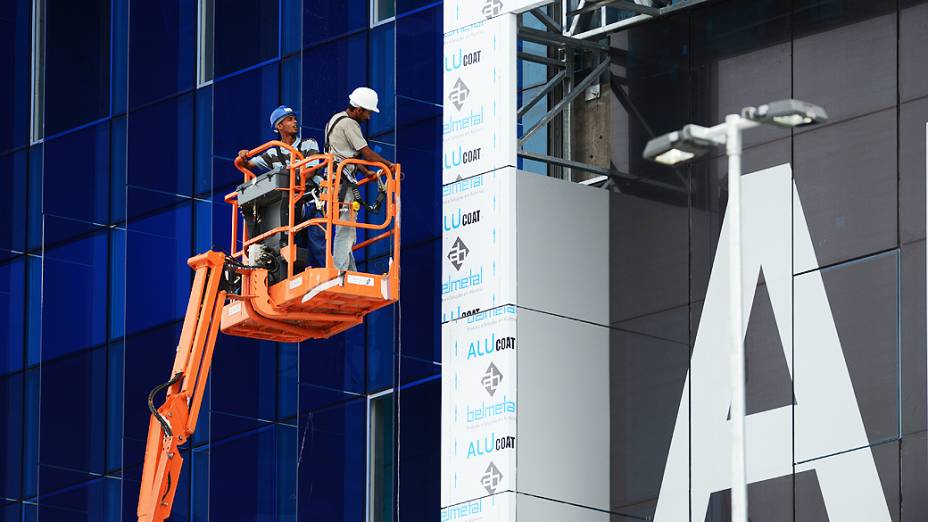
{"type": "Point", "coordinates": [568, 98]}
{"type": "Point", "coordinates": [548, 87]}
{"type": "Point", "coordinates": [544, 37]}
{"type": "Point", "coordinates": [549, 22]}
{"type": "Point", "coordinates": [541, 59]}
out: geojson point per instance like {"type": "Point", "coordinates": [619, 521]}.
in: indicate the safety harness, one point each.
{"type": "Point", "coordinates": [349, 184]}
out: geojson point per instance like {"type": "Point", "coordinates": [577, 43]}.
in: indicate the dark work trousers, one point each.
{"type": "Point", "coordinates": [315, 236]}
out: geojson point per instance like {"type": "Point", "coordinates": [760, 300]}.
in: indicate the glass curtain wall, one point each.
{"type": "Point", "coordinates": [144, 106]}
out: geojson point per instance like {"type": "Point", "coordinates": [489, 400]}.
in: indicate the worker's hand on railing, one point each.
{"type": "Point", "coordinates": [243, 155]}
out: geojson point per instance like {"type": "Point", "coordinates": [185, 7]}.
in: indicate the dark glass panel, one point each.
{"type": "Point", "coordinates": [96, 501]}
{"type": "Point", "coordinates": [75, 188]}
{"type": "Point", "coordinates": [290, 86]}
{"type": "Point", "coordinates": [31, 433]}
{"type": "Point", "coordinates": [73, 422]}
{"type": "Point", "coordinates": [117, 283]}
{"type": "Point", "coordinates": [419, 314]}
{"type": "Point", "coordinates": [246, 33]}
{"type": "Point", "coordinates": [242, 468]}
{"type": "Point", "coordinates": [157, 276]}
{"type": "Point", "coordinates": [74, 298]}
{"type": "Point", "coordinates": [336, 363]}
{"type": "Point", "coordinates": [203, 136]}
{"type": "Point", "coordinates": [115, 397]}
{"type": "Point", "coordinates": [161, 146]}
{"type": "Point", "coordinates": [148, 359]}
{"type": "Point", "coordinates": [380, 346]}
{"type": "Point", "coordinates": [288, 368]}
{"type": "Point", "coordinates": [34, 197]}
{"type": "Point", "coordinates": [337, 68]}
{"type": "Point", "coordinates": [77, 63]}
{"type": "Point", "coordinates": [11, 436]}
{"type": "Point", "coordinates": [382, 77]}
{"type": "Point", "coordinates": [287, 464]}
{"type": "Point", "coordinates": [418, 54]}
{"type": "Point", "coordinates": [118, 170]}
{"type": "Point", "coordinates": [404, 6]}
{"type": "Point", "coordinates": [419, 153]}
{"type": "Point", "coordinates": [241, 108]}
{"type": "Point", "coordinates": [162, 59]}
{"type": "Point", "coordinates": [33, 310]}
{"type": "Point", "coordinates": [15, 54]}
{"type": "Point", "coordinates": [291, 26]}
{"type": "Point", "coordinates": [419, 434]}
{"type": "Point", "coordinates": [120, 65]}
{"type": "Point", "coordinates": [323, 21]}
{"type": "Point", "coordinates": [236, 406]}
{"type": "Point", "coordinates": [12, 316]}
{"type": "Point", "coordinates": [331, 463]}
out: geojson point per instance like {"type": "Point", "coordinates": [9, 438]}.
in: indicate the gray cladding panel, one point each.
{"type": "Point", "coordinates": [827, 68]}
{"type": "Point", "coordinates": [913, 361]}
{"type": "Point", "coordinates": [913, 40]}
{"type": "Point", "coordinates": [846, 177]}
{"type": "Point", "coordinates": [863, 299]}
{"type": "Point", "coordinates": [562, 235]}
{"type": "Point", "coordinates": [647, 375]}
{"type": "Point", "coordinates": [913, 117]}
{"type": "Point", "coordinates": [563, 396]}
{"type": "Point", "coordinates": [534, 509]}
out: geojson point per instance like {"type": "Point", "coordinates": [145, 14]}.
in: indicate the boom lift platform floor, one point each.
{"type": "Point", "coordinates": [316, 304]}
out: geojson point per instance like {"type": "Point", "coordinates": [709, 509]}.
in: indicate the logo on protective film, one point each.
{"type": "Point", "coordinates": [458, 254]}
{"type": "Point", "coordinates": [492, 8]}
{"type": "Point", "coordinates": [459, 93]}
{"type": "Point", "coordinates": [491, 379]}
{"type": "Point", "coordinates": [491, 478]}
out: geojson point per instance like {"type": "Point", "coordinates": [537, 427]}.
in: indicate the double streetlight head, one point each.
{"type": "Point", "coordinates": [693, 141]}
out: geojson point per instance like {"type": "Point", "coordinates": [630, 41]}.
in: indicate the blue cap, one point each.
{"type": "Point", "coordinates": [280, 113]}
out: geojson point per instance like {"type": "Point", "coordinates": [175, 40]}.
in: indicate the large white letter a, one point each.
{"type": "Point", "coordinates": [827, 416]}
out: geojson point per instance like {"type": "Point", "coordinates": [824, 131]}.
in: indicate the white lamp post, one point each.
{"type": "Point", "coordinates": [693, 141]}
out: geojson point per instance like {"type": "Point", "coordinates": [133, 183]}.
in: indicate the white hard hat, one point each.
{"type": "Point", "coordinates": [365, 98]}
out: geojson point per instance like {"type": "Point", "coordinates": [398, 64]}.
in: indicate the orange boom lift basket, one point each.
{"type": "Point", "coordinates": [230, 295]}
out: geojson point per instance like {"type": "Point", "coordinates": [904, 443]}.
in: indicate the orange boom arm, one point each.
{"type": "Point", "coordinates": [174, 422]}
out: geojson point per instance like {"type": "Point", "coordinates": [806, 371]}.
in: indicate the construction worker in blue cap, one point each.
{"type": "Point", "coordinates": [284, 122]}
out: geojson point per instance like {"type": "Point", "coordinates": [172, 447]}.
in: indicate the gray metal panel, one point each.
{"type": "Point", "coordinates": [848, 84]}
{"type": "Point", "coordinates": [914, 472]}
{"type": "Point", "coordinates": [846, 177]}
{"type": "Point", "coordinates": [533, 509]}
{"type": "Point", "coordinates": [913, 40]}
{"type": "Point", "coordinates": [562, 232]}
{"type": "Point", "coordinates": [912, 119]}
{"type": "Point", "coordinates": [914, 402]}
{"type": "Point", "coordinates": [563, 428]}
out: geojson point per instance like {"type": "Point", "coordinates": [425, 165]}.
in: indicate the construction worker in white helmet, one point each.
{"type": "Point", "coordinates": [344, 139]}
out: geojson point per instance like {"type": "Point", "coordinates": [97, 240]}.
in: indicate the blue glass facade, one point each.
{"type": "Point", "coordinates": [101, 214]}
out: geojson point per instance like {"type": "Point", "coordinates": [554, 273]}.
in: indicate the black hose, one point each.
{"type": "Point", "coordinates": [165, 426]}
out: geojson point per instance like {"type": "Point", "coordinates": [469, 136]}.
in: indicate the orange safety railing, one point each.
{"type": "Point", "coordinates": [300, 170]}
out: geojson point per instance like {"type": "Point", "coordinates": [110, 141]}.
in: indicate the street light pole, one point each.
{"type": "Point", "coordinates": [691, 142]}
{"type": "Point", "coordinates": [739, 494]}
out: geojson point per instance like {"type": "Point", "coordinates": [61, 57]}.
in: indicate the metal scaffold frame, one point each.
{"type": "Point", "coordinates": [575, 34]}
